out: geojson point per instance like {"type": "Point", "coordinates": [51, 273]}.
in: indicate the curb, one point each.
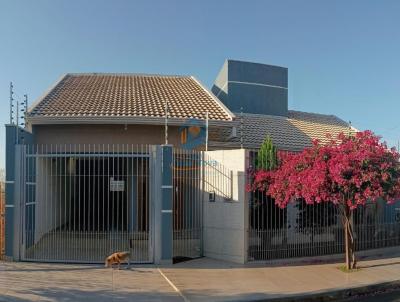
{"type": "Point", "coordinates": [335, 295]}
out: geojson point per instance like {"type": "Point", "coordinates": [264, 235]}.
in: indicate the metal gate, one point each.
{"type": "Point", "coordinates": [188, 171]}
{"type": "Point", "coordinates": [197, 177]}
{"type": "Point", "coordinates": [84, 202]}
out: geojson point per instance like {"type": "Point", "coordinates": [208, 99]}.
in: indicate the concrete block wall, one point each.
{"type": "Point", "coordinates": [225, 223]}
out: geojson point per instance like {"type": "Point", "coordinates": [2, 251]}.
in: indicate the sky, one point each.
{"type": "Point", "coordinates": [343, 56]}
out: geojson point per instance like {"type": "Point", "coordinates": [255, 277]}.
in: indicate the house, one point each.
{"type": "Point", "coordinates": [151, 164]}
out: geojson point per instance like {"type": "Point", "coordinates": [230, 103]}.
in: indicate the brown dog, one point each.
{"type": "Point", "coordinates": [117, 257]}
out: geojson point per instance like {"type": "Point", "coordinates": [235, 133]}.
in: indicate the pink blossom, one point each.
{"type": "Point", "coordinates": [348, 170]}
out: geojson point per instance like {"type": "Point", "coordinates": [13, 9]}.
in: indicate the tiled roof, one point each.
{"type": "Point", "coordinates": [129, 95]}
{"type": "Point", "coordinates": [292, 133]}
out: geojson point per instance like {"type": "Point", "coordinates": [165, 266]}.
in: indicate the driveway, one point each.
{"type": "Point", "coordinates": [61, 282]}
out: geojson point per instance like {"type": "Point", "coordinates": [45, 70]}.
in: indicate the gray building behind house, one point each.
{"type": "Point", "coordinates": [257, 88]}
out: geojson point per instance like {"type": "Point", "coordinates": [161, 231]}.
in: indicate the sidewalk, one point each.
{"type": "Point", "coordinates": [210, 280]}
{"type": "Point", "coordinates": [197, 280]}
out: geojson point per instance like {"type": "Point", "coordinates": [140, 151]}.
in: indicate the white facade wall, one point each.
{"type": "Point", "coordinates": [226, 221]}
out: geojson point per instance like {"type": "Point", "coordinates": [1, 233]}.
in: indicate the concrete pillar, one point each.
{"type": "Point", "coordinates": [15, 139]}
{"type": "Point", "coordinates": [166, 204]}
{"type": "Point", "coordinates": [10, 189]}
{"type": "Point", "coordinates": [162, 200]}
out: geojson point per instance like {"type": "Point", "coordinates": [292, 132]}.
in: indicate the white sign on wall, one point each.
{"type": "Point", "coordinates": [117, 185]}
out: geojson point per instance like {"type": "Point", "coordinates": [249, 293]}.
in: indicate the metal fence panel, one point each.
{"type": "Point", "coordinates": [302, 230]}
{"type": "Point", "coordinates": [84, 202]}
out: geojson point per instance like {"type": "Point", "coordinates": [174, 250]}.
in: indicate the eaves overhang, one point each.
{"type": "Point", "coordinates": [120, 120]}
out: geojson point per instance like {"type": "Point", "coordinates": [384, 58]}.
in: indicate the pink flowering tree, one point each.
{"type": "Point", "coordinates": [348, 172]}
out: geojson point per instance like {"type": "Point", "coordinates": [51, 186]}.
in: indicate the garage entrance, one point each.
{"type": "Point", "coordinates": [83, 203]}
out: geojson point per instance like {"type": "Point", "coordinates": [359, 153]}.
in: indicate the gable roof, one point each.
{"type": "Point", "coordinates": [292, 133]}
{"type": "Point", "coordinates": [91, 97]}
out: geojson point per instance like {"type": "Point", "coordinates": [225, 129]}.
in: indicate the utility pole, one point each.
{"type": "Point", "coordinates": [166, 122]}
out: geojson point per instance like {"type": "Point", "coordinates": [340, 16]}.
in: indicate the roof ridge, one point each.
{"type": "Point", "coordinates": [260, 115]}
{"type": "Point", "coordinates": [313, 113]}
{"type": "Point", "coordinates": [127, 74]}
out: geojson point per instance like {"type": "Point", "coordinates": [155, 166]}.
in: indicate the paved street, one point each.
{"type": "Point", "coordinates": [386, 297]}
{"type": "Point", "coordinates": [198, 280]}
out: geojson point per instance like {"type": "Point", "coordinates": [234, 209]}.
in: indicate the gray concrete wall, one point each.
{"type": "Point", "coordinates": [257, 88]}
{"type": "Point", "coordinates": [226, 222]}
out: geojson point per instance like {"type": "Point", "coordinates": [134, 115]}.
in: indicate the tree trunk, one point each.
{"type": "Point", "coordinates": [349, 240]}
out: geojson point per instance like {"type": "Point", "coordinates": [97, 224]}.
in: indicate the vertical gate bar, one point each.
{"type": "Point", "coordinates": [137, 225]}
{"type": "Point", "coordinates": [132, 201]}
{"type": "Point", "coordinates": [58, 202]}
{"type": "Point", "coordinates": [144, 220]}
{"type": "Point", "coordinates": [189, 202]}
{"type": "Point", "coordinates": [82, 241]}
{"type": "Point", "coordinates": [65, 240]}
{"type": "Point", "coordinates": [122, 193]}
{"type": "Point", "coordinates": [108, 200]}
{"type": "Point", "coordinates": [184, 193]}
{"type": "Point", "coordinates": [54, 181]}
{"type": "Point", "coordinates": [139, 202]}
{"type": "Point", "coordinates": [119, 163]}
{"type": "Point", "coordinates": [71, 162]}
{"type": "Point", "coordinates": [147, 205]}
{"type": "Point", "coordinates": [51, 188]}
{"type": "Point", "coordinates": [143, 233]}
{"type": "Point", "coordinates": [78, 187]}
{"type": "Point", "coordinates": [192, 200]}
{"type": "Point", "coordinates": [132, 212]}
{"type": "Point", "coordinates": [193, 235]}
{"type": "Point", "coordinates": [179, 207]}
{"type": "Point", "coordinates": [90, 206]}
{"type": "Point", "coordinates": [178, 190]}
{"type": "Point", "coordinates": [182, 204]}
{"type": "Point", "coordinates": [186, 199]}
{"type": "Point", "coordinates": [197, 205]}
{"type": "Point", "coordinates": [132, 242]}
{"type": "Point", "coordinates": [96, 202]}
{"type": "Point", "coordinates": [128, 199]}
{"type": "Point", "coordinates": [103, 176]}
{"type": "Point", "coordinates": [112, 201]}
{"type": "Point", "coordinates": [51, 205]}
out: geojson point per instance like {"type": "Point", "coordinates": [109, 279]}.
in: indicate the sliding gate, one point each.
{"type": "Point", "coordinates": [84, 202]}
{"type": "Point", "coordinates": [188, 184]}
